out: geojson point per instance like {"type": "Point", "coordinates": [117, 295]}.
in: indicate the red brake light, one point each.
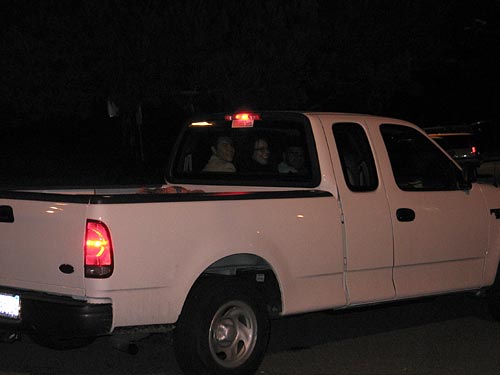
{"type": "Point", "coordinates": [243, 116]}
{"type": "Point", "coordinates": [473, 149]}
{"type": "Point", "coordinates": [98, 250]}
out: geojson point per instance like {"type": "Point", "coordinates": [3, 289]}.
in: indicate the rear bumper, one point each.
{"type": "Point", "coordinates": [59, 316]}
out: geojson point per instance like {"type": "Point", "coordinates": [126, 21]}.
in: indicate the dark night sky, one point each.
{"type": "Point", "coordinates": [430, 62]}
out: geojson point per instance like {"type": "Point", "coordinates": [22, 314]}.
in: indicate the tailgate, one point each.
{"type": "Point", "coordinates": [41, 245]}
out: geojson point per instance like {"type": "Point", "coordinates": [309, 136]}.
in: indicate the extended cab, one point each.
{"type": "Point", "coordinates": [263, 215]}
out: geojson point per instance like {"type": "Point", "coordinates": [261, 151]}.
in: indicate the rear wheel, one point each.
{"type": "Point", "coordinates": [223, 329]}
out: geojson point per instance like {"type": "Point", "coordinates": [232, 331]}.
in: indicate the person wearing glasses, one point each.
{"type": "Point", "coordinates": [261, 160]}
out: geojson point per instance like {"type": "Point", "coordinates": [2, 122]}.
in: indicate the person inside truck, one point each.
{"type": "Point", "coordinates": [222, 156]}
{"type": "Point", "coordinates": [260, 160]}
{"type": "Point", "coordinates": [293, 160]}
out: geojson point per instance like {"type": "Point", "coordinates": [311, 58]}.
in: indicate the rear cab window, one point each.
{"type": "Point", "coordinates": [252, 149]}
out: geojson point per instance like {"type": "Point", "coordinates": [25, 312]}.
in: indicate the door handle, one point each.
{"type": "Point", "coordinates": [405, 214]}
{"type": "Point", "coordinates": [6, 214]}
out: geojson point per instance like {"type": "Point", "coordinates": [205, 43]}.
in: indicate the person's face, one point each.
{"type": "Point", "coordinates": [261, 152]}
{"type": "Point", "coordinates": [295, 157]}
{"type": "Point", "coordinates": [225, 150]}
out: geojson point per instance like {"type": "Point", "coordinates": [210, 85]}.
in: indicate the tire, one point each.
{"type": "Point", "coordinates": [223, 329]}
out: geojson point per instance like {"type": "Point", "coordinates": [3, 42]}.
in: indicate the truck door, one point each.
{"type": "Point", "coordinates": [440, 227]}
{"type": "Point", "coordinates": [368, 257]}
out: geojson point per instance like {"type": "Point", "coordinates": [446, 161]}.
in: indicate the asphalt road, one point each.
{"type": "Point", "coordinates": [446, 335]}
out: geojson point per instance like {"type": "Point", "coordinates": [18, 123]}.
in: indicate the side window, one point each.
{"type": "Point", "coordinates": [417, 164]}
{"type": "Point", "coordinates": [356, 157]}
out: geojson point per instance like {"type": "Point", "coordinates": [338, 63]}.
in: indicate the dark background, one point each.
{"type": "Point", "coordinates": [61, 62]}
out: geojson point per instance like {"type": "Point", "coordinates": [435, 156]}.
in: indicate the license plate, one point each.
{"type": "Point", "coordinates": [10, 306]}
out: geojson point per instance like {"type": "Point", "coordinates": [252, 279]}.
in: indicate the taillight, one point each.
{"type": "Point", "coordinates": [98, 250]}
{"type": "Point", "coordinates": [474, 149]}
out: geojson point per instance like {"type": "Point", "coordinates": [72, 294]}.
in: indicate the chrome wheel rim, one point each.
{"type": "Point", "coordinates": [233, 333]}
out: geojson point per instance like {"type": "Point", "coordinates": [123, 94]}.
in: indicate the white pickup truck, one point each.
{"type": "Point", "coordinates": [263, 215]}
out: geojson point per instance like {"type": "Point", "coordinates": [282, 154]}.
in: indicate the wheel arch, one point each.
{"type": "Point", "coordinates": [252, 269]}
